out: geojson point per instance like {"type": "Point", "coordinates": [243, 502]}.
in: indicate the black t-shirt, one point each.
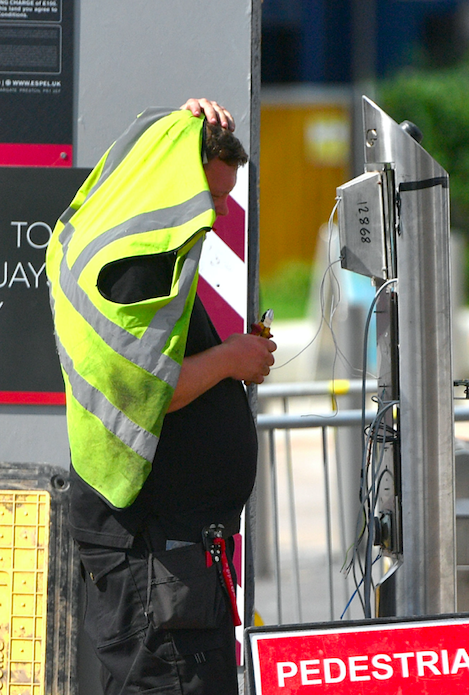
{"type": "Point", "coordinates": [204, 468]}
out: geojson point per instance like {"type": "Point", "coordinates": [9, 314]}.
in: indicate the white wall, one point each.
{"type": "Point", "coordinates": [139, 53]}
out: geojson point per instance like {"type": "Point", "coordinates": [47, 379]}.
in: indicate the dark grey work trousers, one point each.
{"type": "Point", "coordinates": [137, 656]}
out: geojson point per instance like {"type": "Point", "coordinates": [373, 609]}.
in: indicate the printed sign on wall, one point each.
{"type": "Point", "coordinates": [31, 201]}
{"type": "Point", "coordinates": [36, 82]}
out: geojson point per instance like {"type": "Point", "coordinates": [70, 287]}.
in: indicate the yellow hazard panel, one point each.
{"type": "Point", "coordinates": [24, 544]}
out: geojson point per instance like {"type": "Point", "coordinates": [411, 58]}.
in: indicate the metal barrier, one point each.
{"type": "Point", "coordinates": [323, 429]}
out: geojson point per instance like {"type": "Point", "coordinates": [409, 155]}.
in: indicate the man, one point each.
{"type": "Point", "coordinates": [162, 441]}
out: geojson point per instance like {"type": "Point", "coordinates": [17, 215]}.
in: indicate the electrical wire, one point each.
{"type": "Point", "coordinates": [327, 313]}
{"type": "Point", "coordinates": [334, 302]}
{"type": "Point", "coordinates": [368, 496]}
{"type": "Point", "coordinates": [321, 323]}
{"type": "Point", "coordinates": [375, 438]}
{"type": "Point", "coordinates": [374, 466]}
{"type": "Point", "coordinates": [369, 500]}
{"type": "Point", "coordinates": [365, 344]}
{"type": "Point", "coordinates": [378, 557]}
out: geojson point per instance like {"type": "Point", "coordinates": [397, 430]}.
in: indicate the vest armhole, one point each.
{"type": "Point", "coordinates": [131, 280]}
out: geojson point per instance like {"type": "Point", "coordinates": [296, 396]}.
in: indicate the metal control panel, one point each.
{"type": "Point", "coordinates": [394, 227]}
{"type": "Point", "coordinates": [361, 225]}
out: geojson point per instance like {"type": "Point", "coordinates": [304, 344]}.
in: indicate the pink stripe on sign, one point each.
{"type": "Point", "coordinates": [225, 319]}
{"type": "Point", "coordinates": [231, 228]}
{"type": "Point", "coordinates": [27, 155]}
{"type": "Point", "coordinates": [232, 232]}
{"type": "Point", "coordinates": [32, 397]}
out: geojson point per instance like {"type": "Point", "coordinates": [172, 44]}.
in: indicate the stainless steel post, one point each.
{"type": "Point", "coordinates": [426, 578]}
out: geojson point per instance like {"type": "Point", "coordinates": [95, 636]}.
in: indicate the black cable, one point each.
{"type": "Point", "coordinates": [374, 467]}
{"type": "Point", "coordinates": [369, 504]}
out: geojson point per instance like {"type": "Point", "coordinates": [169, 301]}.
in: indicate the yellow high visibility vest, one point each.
{"type": "Point", "coordinates": [121, 362]}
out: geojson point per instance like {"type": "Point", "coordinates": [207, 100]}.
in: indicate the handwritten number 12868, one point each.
{"type": "Point", "coordinates": [364, 222]}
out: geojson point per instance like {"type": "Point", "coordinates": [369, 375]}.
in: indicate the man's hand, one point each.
{"type": "Point", "coordinates": [242, 356]}
{"type": "Point", "coordinates": [214, 113]}
{"type": "Point", "coordinates": [248, 357]}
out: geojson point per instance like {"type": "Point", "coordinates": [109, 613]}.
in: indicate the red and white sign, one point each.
{"type": "Point", "coordinates": [223, 270]}
{"type": "Point", "coordinates": [223, 282]}
{"type": "Point", "coordinates": [430, 657]}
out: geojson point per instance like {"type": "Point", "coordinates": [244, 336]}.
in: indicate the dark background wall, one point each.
{"type": "Point", "coordinates": [318, 40]}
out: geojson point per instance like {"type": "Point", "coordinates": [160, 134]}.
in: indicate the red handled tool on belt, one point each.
{"type": "Point", "coordinates": [215, 552]}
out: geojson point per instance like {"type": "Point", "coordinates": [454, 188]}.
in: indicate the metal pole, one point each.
{"type": "Point", "coordinates": [273, 482]}
{"type": "Point", "coordinates": [327, 498]}
{"type": "Point", "coordinates": [426, 579]}
{"type": "Point", "coordinates": [293, 529]}
{"type": "Point", "coordinates": [253, 280]}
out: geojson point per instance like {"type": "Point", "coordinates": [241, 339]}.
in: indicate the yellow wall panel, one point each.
{"type": "Point", "coordinates": [304, 157]}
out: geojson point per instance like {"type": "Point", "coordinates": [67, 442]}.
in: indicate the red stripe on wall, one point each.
{"type": "Point", "coordinates": [225, 319]}
{"type": "Point", "coordinates": [22, 155]}
{"type": "Point", "coordinates": [31, 398]}
{"type": "Point", "coordinates": [231, 228]}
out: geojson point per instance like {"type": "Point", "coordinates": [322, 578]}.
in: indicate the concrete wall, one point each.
{"type": "Point", "coordinates": [130, 54]}
{"type": "Point", "coordinates": [138, 53]}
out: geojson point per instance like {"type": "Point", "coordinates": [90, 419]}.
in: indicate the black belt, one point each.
{"type": "Point", "coordinates": [155, 539]}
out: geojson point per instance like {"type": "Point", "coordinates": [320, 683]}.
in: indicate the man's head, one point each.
{"type": "Point", "coordinates": [221, 143]}
{"type": "Point", "coordinates": [223, 153]}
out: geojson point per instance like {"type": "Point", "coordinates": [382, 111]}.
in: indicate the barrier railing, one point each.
{"type": "Point", "coordinates": [318, 451]}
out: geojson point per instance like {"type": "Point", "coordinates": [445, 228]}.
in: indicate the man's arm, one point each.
{"type": "Point", "coordinates": [243, 357]}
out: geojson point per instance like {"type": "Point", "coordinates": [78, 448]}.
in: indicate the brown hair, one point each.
{"type": "Point", "coordinates": [220, 142]}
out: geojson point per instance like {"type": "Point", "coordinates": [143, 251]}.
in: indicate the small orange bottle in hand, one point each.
{"type": "Point", "coordinates": [262, 329]}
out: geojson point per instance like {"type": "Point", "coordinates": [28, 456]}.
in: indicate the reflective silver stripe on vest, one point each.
{"type": "Point", "coordinates": [132, 435]}
{"type": "Point", "coordinates": [67, 215]}
{"type": "Point", "coordinates": [122, 146]}
{"type": "Point", "coordinates": [165, 218]}
{"type": "Point", "coordinates": [146, 352]}
{"type": "Point", "coordinates": [119, 150]}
